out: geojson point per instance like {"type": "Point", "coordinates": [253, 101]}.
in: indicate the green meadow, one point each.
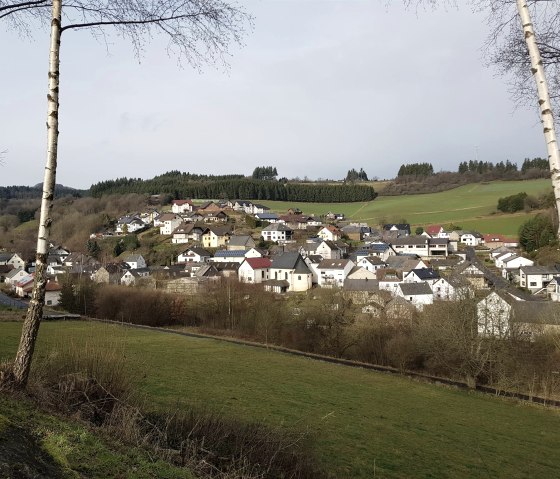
{"type": "Point", "coordinates": [365, 424]}
{"type": "Point", "coordinates": [471, 206]}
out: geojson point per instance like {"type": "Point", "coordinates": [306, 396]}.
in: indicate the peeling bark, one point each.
{"type": "Point", "coordinates": [22, 363]}
{"type": "Point", "coordinates": [547, 118]}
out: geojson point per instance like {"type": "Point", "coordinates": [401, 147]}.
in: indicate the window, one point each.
{"type": "Point", "coordinates": [533, 283]}
{"type": "Point", "coordinates": [299, 277]}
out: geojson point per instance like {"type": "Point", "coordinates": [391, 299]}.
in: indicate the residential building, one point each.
{"type": "Point", "coordinates": [277, 232]}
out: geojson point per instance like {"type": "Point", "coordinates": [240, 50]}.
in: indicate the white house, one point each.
{"type": "Point", "coordinates": [12, 259]}
{"type": "Point", "coordinates": [254, 270]}
{"type": "Point", "coordinates": [326, 249]}
{"type": "Point", "coordinates": [329, 233]}
{"type": "Point", "coordinates": [135, 261]}
{"type": "Point", "coordinates": [471, 238]}
{"type": "Point", "coordinates": [419, 294]}
{"type": "Point", "coordinates": [372, 263]}
{"type": "Point", "coordinates": [452, 289]}
{"type": "Point", "coordinates": [52, 293]}
{"type": "Point", "coordinates": [129, 224]}
{"type": "Point", "coordinates": [181, 206]}
{"type": "Point", "coordinates": [289, 272]}
{"type": "Point", "coordinates": [420, 275]}
{"type": "Point", "coordinates": [535, 278]}
{"type": "Point", "coordinates": [512, 264]}
{"type": "Point", "coordinates": [494, 313]}
{"type": "Point", "coordinates": [169, 222]}
{"type": "Point", "coordinates": [333, 272]}
{"type": "Point", "coordinates": [14, 276]}
{"type": "Point", "coordinates": [417, 245]}
{"type": "Point", "coordinates": [277, 232]}
{"type": "Point", "coordinates": [194, 255]}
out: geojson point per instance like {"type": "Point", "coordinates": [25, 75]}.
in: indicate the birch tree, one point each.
{"type": "Point", "coordinates": [197, 31]}
{"type": "Point", "coordinates": [525, 42]}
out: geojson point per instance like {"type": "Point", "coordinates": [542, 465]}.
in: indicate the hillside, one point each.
{"type": "Point", "coordinates": [366, 424]}
{"type": "Point", "coordinates": [34, 444]}
{"type": "Point", "coordinates": [471, 206]}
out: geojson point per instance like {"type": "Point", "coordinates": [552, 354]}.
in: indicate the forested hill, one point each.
{"type": "Point", "coordinates": [184, 185]}
{"type": "Point", "coordinates": [26, 192]}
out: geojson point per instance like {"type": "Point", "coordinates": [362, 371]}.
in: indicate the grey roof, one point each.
{"type": "Point", "coordinates": [290, 261]}
{"type": "Point", "coordinates": [4, 257]}
{"type": "Point", "coordinates": [539, 269]}
{"type": "Point", "coordinates": [410, 240]}
{"type": "Point", "coordinates": [333, 263]}
{"type": "Point", "coordinates": [415, 289]}
{"type": "Point", "coordinates": [277, 227]}
{"type": "Point", "coordinates": [438, 241]}
{"type": "Point", "coordinates": [240, 240]}
{"type": "Point", "coordinates": [199, 251]}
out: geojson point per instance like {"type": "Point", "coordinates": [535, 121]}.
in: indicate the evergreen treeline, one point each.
{"type": "Point", "coordinates": [486, 166]}
{"type": "Point", "coordinates": [536, 163]}
{"type": "Point", "coordinates": [26, 192]}
{"type": "Point", "coordinates": [354, 175]}
{"type": "Point", "coordinates": [416, 169]}
{"type": "Point", "coordinates": [249, 189]}
{"type": "Point", "coordinates": [265, 173]}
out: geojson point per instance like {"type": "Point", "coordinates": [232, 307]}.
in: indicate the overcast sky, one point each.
{"type": "Point", "coordinates": [320, 87]}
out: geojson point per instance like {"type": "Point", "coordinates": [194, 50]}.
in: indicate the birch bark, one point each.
{"type": "Point", "coordinates": [545, 107]}
{"type": "Point", "coordinates": [22, 363]}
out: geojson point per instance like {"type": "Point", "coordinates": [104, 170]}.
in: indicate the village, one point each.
{"type": "Point", "coordinates": [387, 269]}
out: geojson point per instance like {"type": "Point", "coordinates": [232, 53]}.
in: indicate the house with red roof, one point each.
{"type": "Point", "coordinates": [434, 230]}
{"type": "Point", "coordinates": [181, 206]}
{"type": "Point", "coordinates": [254, 270]}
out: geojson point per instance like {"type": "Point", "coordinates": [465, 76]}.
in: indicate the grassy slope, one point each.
{"type": "Point", "coordinates": [471, 206]}
{"type": "Point", "coordinates": [61, 448]}
{"type": "Point", "coordinates": [364, 421]}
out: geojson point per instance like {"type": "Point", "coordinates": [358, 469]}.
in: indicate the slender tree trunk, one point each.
{"type": "Point", "coordinates": [22, 363]}
{"type": "Point", "coordinates": [545, 108]}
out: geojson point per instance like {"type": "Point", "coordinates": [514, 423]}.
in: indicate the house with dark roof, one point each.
{"type": "Point", "coordinates": [216, 236]}
{"type": "Point", "coordinates": [289, 268]}
{"type": "Point", "coordinates": [535, 278]}
{"type": "Point", "coordinates": [277, 232]}
{"type": "Point", "coordinates": [194, 255]}
{"type": "Point", "coordinates": [396, 229]}
{"type": "Point", "coordinates": [428, 275]}
{"type": "Point", "coordinates": [12, 259]}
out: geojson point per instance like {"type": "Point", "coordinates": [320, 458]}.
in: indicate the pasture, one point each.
{"type": "Point", "coordinates": [365, 424]}
{"type": "Point", "coordinates": [471, 206]}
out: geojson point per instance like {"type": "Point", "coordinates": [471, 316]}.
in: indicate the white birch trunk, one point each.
{"type": "Point", "coordinates": [545, 108]}
{"type": "Point", "coordinates": [22, 363]}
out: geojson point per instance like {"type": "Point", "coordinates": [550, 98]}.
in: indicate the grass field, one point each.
{"type": "Point", "coordinates": [366, 424]}
{"type": "Point", "coordinates": [471, 206]}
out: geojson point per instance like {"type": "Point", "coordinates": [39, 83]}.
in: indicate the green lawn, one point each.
{"type": "Point", "coordinates": [366, 424]}
{"type": "Point", "coordinates": [470, 206]}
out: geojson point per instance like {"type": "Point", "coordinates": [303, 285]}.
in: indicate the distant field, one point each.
{"type": "Point", "coordinates": [471, 206]}
{"type": "Point", "coordinates": [366, 424]}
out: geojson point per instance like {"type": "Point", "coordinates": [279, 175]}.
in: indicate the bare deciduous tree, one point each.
{"type": "Point", "coordinates": [531, 53]}
{"type": "Point", "coordinates": [197, 31]}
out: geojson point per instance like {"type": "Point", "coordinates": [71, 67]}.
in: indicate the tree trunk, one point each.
{"type": "Point", "coordinates": [545, 108]}
{"type": "Point", "coordinates": [22, 363]}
